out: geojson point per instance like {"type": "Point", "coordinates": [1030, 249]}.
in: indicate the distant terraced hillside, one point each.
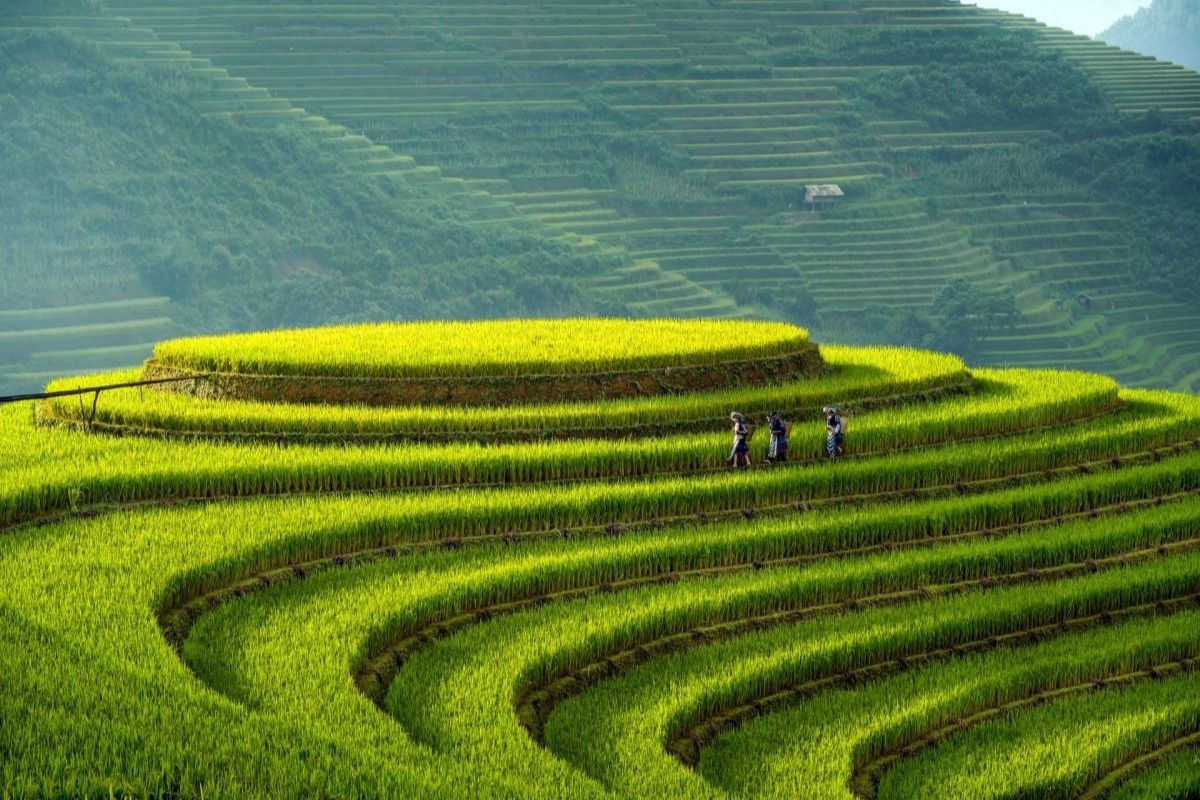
{"type": "Point", "coordinates": [678, 136]}
{"type": "Point", "coordinates": [44, 343]}
{"type": "Point", "coordinates": [685, 131]}
{"type": "Point", "coordinates": [144, 192]}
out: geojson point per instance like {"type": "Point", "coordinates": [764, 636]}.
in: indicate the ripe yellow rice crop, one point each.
{"type": "Point", "coordinates": [856, 374]}
{"type": "Point", "coordinates": [495, 348]}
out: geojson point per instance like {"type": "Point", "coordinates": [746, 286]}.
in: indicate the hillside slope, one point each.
{"type": "Point", "coordinates": [1054, 174]}
{"type": "Point", "coordinates": [132, 205]}
{"type": "Point", "coordinates": [1166, 29]}
{"type": "Point", "coordinates": [1014, 193]}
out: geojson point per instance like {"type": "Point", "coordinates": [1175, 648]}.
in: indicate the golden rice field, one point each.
{"type": "Point", "coordinates": [516, 348]}
{"type": "Point", "coordinates": [995, 593]}
{"type": "Point", "coordinates": [490, 363]}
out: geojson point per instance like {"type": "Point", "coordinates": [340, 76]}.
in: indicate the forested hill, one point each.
{"type": "Point", "coordinates": [130, 208]}
{"type": "Point", "coordinates": [1167, 29]}
{"type": "Point", "coordinates": [1013, 193]}
{"type": "Point", "coordinates": [244, 226]}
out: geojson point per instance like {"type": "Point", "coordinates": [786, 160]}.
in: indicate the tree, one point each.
{"type": "Point", "coordinates": [965, 315]}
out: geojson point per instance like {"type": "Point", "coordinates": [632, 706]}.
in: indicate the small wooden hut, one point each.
{"type": "Point", "coordinates": [820, 196]}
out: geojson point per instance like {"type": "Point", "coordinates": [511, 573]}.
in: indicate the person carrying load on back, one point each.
{"type": "Point", "coordinates": [740, 457]}
{"type": "Point", "coordinates": [835, 433]}
{"type": "Point", "coordinates": [777, 450]}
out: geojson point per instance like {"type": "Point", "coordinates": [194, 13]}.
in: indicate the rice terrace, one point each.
{"type": "Point", "coordinates": [608, 399]}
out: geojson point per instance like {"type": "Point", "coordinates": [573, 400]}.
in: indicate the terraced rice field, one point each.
{"type": "Point", "coordinates": [37, 345]}
{"type": "Point", "coordinates": [995, 592]}
{"type": "Point", "coordinates": [675, 135]}
{"type": "Point", "coordinates": [65, 340]}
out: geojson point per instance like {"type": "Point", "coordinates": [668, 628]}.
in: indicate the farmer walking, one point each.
{"type": "Point", "coordinates": [777, 450]}
{"type": "Point", "coordinates": [835, 433]}
{"type": "Point", "coordinates": [740, 457]}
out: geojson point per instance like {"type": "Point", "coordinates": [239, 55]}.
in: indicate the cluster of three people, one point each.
{"type": "Point", "coordinates": [777, 447]}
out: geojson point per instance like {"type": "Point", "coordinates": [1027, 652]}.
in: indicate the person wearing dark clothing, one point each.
{"type": "Point", "coordinates": [740, 457]}
{"type": "Point", "coordinates": [835, 433]}
{"type": "Point", "coordinates": [777, 450]}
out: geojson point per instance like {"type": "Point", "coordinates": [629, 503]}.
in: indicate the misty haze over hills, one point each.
{"type": "Point", "coordinates": [1168, 29]}
{"type": "Point", "coordinates": [1088, 17]}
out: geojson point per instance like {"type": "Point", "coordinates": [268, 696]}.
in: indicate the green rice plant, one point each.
{"type": "Point", "coordinates": [514, 348]}
{"type": "Point", "coordinates": [124, 471]}
{"type": "Point", "coordinates": [1175, 778]}
{"type": "Point", "coordinates": [1024, 753]}
{"type": "Point", "coordinates": [96, 704]}
{"type": "Point", "coordinates": [1059, 433]}
{"type": "Point", "coordinates": [770, 538]}
{"type": "Point", "coordinates": [629, 718]}
{"type": "Point", "coordinates": [61, 590]}
{"type": "Point", "coordinates": [616, 732]}
{"type": "Point", "coordinates": [253, 649]}
{"type": "Point", "coordinates": [711, 548]}
{"type": "Point", "coordinates": [103, 617]}
{"type": "Point", "coordinates": [825, 743]}
{"type": "Point", "coordinates": [860, 377]}
{"type": "Point", "coordinates": [136, 470]}
{"type": "Point", "coordinates": [511, 654]}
